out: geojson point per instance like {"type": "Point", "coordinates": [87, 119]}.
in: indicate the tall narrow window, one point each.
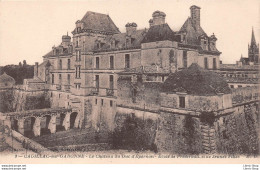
{"type": "Point", "coordinates": [111, 62]}
{"type": "Point", "coordinates": [182, 102]}
{"type": "Point", "coordinates": [77, 72]}
{"type": "Point", "coordinates": [97, 62]}
{"type": "Point", "coordinates": [68, 78]}
{"type": "Point", "coordinates": [60, 63]}
{"type": "Point", "coordinates": [97, 82]}
{"type": "Point", "coordinates": [52, 78]}
{"type": "Point", "coordinates": [68, 64]}
{"type": "Point", "coordinates": [127, 61]}
{"type": "Point", "coordinates": [79, 54]}
{"type": "Point", "coordinates": [185, 59]}
{"type": "Point", "coordinates": [111, 82]}
{"type": "Point", "coordinates": [60, 79]}
{"type": "Point", "coordinates": [214, 64]}
{"type": "Point", "coordinates": [206, 63]}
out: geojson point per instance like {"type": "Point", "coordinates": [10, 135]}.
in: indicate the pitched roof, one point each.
{"type": "Point", "coordinates": [99, 22]}
{"type": "Point", "coordinates": [120, 40]}
{"type": "Point", "coordinates": [196, 81]}
{"type": "Point", "coordinates": [4, 78]}
{"type": "Point", "coordinates": [159, 33]}
{"type": "Point", "coordinates": [192, 34]}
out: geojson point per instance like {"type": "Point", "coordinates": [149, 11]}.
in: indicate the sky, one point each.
{"type": "Point", "coordinates": [29, 29]}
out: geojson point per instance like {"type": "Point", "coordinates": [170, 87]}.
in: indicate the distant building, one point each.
{"type": "Point", "coordinates": [6, 81]}
{"type": "Point", "coordinates": [253, 53]}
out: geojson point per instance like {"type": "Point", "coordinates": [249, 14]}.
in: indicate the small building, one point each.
{"type": "Point", "coordinates": [6, 81]}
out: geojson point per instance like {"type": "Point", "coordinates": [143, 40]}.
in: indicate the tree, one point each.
{"type": "Point", "coordinates": [20, 64]}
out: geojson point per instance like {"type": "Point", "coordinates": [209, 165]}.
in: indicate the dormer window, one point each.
{"type": "Point", "coordinates": [78, 29]}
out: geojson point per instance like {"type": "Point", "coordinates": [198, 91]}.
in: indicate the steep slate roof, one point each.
{"type": "Point", "coordinates": [99, 22]}
{"type": "Point", "coordinates": [159, 33]}
{"type": "Point", "coordinates": [192, 33]}
{"type": "Point", "coordinates": [195, 80]}
{"type": "Point", "coordinates": [5, 78]}
{"type": "Point", "coordinates": [120, 39]}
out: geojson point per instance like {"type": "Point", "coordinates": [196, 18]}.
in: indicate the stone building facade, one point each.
{"type": "Point", "coordinates": [166, 81]}
{"type": "Point", "coordinates": [82, 70]}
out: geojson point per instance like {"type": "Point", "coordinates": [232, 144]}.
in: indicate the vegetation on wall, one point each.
{"type": "Point", "coordinates": [37, 102]}
{"type": "Point", "coordinates": [6, 101]}
{"type": "Point", "coordinates": [135, 134]}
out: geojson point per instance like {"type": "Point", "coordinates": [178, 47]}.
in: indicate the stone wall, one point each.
{"type": "Point", "coordinates": [19, 100]}
{"type": "Point", "coordinates": [245, 94]}
{"type": "Point", "coordinates": [232, 132]}
{"type": "Point", "coordinates": [237, 133]}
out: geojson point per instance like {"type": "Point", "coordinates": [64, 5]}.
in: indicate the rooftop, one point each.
{"type": "Point", "coordinates": [195, 80]}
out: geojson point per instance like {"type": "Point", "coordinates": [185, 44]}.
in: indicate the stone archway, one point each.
{"type": "Point", "coordinates": [59, 120]}
{"type": "Point", "coordinates": [28, 126]}
{"type": "Point", "coordinates": [73, 117]}
{"type": "Point", "coordinates": [45, 125]}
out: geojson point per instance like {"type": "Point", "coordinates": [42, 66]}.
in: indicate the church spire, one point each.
{"type": "Point", "coordinates": [253, 42]}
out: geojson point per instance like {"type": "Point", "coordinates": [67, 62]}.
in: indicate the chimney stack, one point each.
{"type": "Point", "coordinates": [195, 16]}
{"type": "Point", "coordinates": [36, 69]}
{"type": "Point", "coordinates": [130, 28]}
{"type": "Point", "coordinates": [158, 18]}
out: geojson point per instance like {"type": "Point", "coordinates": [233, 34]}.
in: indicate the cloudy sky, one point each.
{"type": "Point", "coordinates": [28, 29]}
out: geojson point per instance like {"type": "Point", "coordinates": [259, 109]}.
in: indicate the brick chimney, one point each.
{"type": "Point", "coordinates": [130, 28]}
{"type": "Point", "coordinates": [195, 15]}
{"type": "Point", "coordinates": [158, 18]}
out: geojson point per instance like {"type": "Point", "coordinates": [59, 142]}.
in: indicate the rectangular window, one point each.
{"type": "Point", "coordinates": [214, 64]}
{"type": "Point", "coordinates": [182, 102]}
{"type": "Point", "coordinates": [102, 102]}
{"type": "Point", "coordinates": [97, 62]}
{"type": "Point", "coordinates": [185, 59]}
{"type": "Point", "coordinates": [206, 63]}
{"type": "Point", "coordinates": [60, 63]}
{"type": "Point", "coordinates": [68, 64]}
{"type": "Point", "coordinates": [127, 61]}
{"type": "Point", "coordinates": [111, 82]}
{"type": "Point", "coordinates": [78, 55]}
{"type": "Point", "coordinates": [97, 82]}
{"type": "Point", "coordinates": [52, 78]}
{"type": "Point", "coordinates": [68, 79]}
{"type": "Point", "coordinates": [239, 86]}
{"type": "Point", "coordinates": [111, 62]}
{"type": "Point", "coordinates": [231, 86]}
{"type": "Point", "coordinates": [60, 79]}
{"type": "Point", "coordinates": [111, 103]}
{"type": "Point", "coordinates": [96, 101]}
{"type": "Point", "coordinates": [77, 72]}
